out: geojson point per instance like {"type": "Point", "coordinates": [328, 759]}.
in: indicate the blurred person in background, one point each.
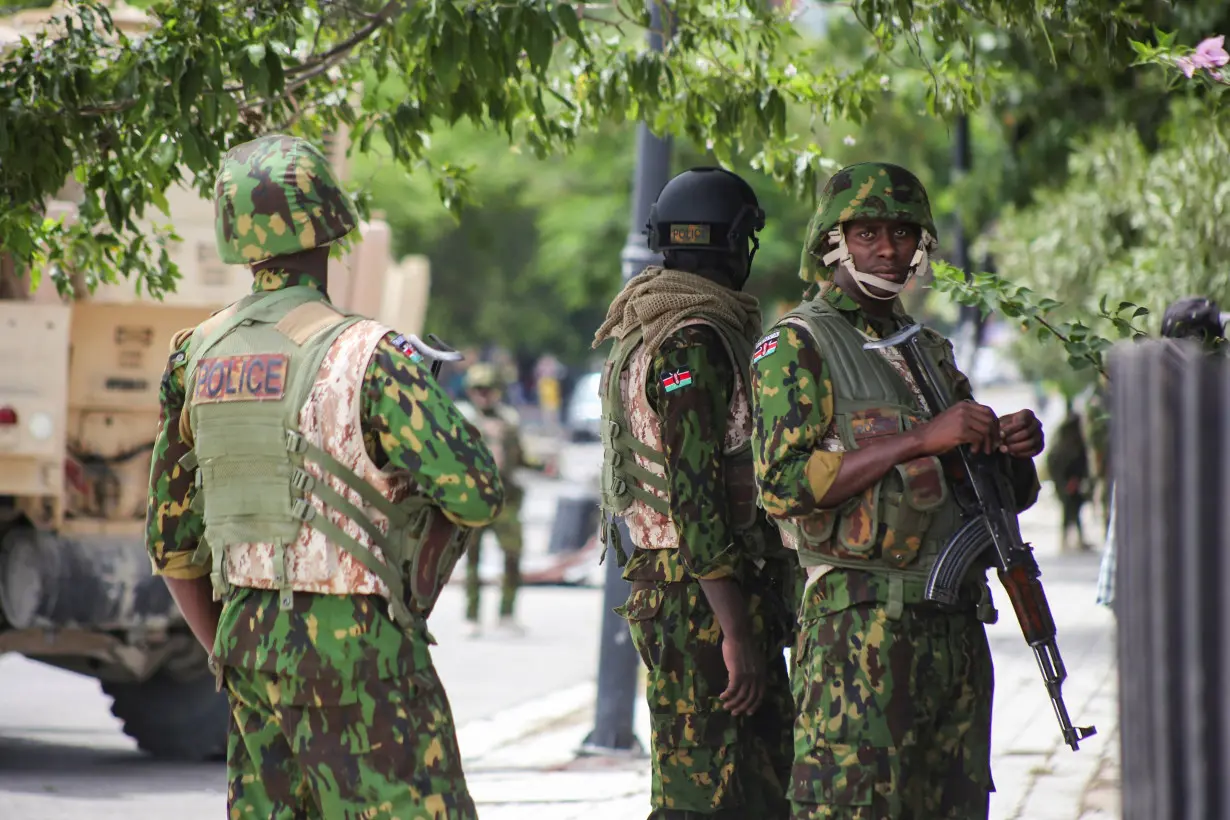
{"type": "Point", "coordinates": [548, 372]}
{"type": "Point", "coordinates": [1067, 461]}
{"type": "Point", "coordinates": [500, 426]}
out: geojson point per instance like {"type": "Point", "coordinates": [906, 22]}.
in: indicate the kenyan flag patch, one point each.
{"type": "Point", "coordinates": [767, 345]}
{"type": "Point", "coordinates": [403, 344]}
{"type": "Point", "coordinates": [676, 380]}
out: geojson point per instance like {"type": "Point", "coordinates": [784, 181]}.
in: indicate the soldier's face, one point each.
{"type": "Point", "coordinates": [483, 397]}
{"type": "Point", "coordinates": [882, 247]}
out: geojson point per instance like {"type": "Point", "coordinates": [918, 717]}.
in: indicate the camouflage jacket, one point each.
{"type": "Point", "coordinates": [693, 428]}
{"type": "Point", "coordinates": [792, 413]}
{"type": "Point", "coordinates": [407, 421]}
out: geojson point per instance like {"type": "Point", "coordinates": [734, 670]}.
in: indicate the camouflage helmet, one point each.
{"type": "Point", "coordinates": [277, 195]}
{"type": "Point", "coordinates": [481, 375]}
{"type": "Point", "coordinates": [868, 190]}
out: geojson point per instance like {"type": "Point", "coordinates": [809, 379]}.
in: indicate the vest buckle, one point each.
{"type": "Point", "coordinates": [303, 481]}
{"type": "Point", "coordinates": [303, 510]}
{"type": "Point", "coordinates": [295, 442]}
{"type": "Point", "coordinates": [616, 458]}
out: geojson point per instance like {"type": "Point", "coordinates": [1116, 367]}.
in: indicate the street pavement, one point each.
{"type": "Point", "coordinates": [523, 706]}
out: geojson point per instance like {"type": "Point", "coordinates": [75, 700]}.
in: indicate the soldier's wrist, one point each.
{"type": "Point", "coordinates": [915, 444]}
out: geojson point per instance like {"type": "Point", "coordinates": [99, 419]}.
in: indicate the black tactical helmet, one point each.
{"type": "Point", "coordinates": [705, 209]}
{"type": "Point", "coordinates": [1193, 317]}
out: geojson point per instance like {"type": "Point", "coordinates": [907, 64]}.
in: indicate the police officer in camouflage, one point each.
{"type": "Point", "coordinates": [710, 608]}
{"type": "Point", "coordinates": [501, 428]}
{"type": "Point", "coordinates": [893, 694]}
{"type": "Point", "coordinates": [312, 488]}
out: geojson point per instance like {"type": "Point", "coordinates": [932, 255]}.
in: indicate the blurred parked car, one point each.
{"type": "Point", "coordinates": [584, 411]}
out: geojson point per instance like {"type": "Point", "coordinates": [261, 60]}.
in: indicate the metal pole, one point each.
{"type": "Point", "coordinates": [618, 669]}
{"type": "Point", "coordinates": [618, 662]}
{"type": "Point", "coordinates": [969, 323]}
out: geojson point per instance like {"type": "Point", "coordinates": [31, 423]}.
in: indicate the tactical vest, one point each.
{"type": "Point", "coordinates": [290, 498]}
{"type": "Point", "coordinates": [634, 464]}
{"type": "Point", "coordinates": [898, 525]}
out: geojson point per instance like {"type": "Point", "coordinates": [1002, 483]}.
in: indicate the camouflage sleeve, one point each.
{"type": "Point", "coordinates": [172, 529]}
{"type": "Point", "coordinates": [413, 422]}
{"type": "Point", "coordinates": [792, 407]}
{"type": "Point", "coordinates": [689, 386]}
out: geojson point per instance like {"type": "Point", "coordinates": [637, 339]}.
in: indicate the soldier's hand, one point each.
{"type": "Point", "coordinates": [746, 674]}
{"type": "Point", "coordinates": [965, 422]}
{"type": "Point", "coordinates": [1021, 435]}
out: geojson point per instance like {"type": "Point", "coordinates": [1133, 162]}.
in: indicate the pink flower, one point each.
{"type": "Point", "coordinates": [1185, 63]}
{"type": "Point", "coordinates": [1211, 53]}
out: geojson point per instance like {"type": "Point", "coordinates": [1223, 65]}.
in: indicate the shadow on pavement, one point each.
{"type": "Point", "coordinates": [76, 770]}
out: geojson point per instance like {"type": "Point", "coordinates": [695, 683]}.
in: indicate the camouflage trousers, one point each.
{"type": "Point", "coordinates": [894, 716]}
{"type": "Point", "coordinates": [386, 751]}
{"type": "Point", "coordinates": [706, 762]}
{"type": "Point", "coordinates": [507, 529]}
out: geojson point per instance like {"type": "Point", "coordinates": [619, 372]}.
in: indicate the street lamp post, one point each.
{"type": "Point", "coordinates": [969, 325]}
{"type": "Point", "coordinates": [618, 662]}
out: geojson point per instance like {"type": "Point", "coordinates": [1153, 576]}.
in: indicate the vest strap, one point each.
{"type": "Point", "coordinates": [304, 321]}
{"type": "Point", "coordinates": [200, 556]}
{"type": "Point", "coordinates": [896, 597]}
{"type": "Point", "coordinates": [268, 300]}
{"type": "Point", "coordinates": [281, 575]}
{"type": "Point", "coordinates": [632, 468]}
{"type": "Point", "coordinates": [398, 611]}
{"type": "Point", "coordinates": [337, 501]}
{"type": "Point", "coordinates": [217, 575]}
{"type": "Point", "coordinates": [296, 444]}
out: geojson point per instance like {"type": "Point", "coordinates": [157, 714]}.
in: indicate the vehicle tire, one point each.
{"type": "Point", "coordinates": [173, 719]}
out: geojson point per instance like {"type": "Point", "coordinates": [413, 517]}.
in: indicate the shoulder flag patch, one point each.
{"type": "Point", "coordinates": [403, 344]}
{"type": "Point", "coordinates": [767, 346]}
{"type": "Point", "coordinates": [676, 380]}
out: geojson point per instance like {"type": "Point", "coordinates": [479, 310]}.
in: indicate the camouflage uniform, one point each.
{"type": "Point", "coordinates": [500, 426]}
{"type": "Point", "coordinates": [686, 401]}
{"type": "Point", "coordinates": [893, 695]}
{"type": "Point", "coordinates": [337, 711]}
{"type": "Point", "coordinates": [707, 762]}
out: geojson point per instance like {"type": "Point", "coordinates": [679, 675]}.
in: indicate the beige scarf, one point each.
{"type": "Point", "coordinates": [659, 299]}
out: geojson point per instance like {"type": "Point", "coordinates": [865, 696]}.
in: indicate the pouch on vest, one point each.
{"type": "Point", "coordinates": [889, 519]}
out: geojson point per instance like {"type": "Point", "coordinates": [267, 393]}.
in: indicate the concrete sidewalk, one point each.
{"type": "Point", "coordinates": [524, 765]}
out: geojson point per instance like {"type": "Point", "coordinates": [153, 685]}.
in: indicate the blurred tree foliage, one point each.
{"type": "Point", "coordinates": [129, 114]}
{"type": "Point", "coordinates": [533, 262]}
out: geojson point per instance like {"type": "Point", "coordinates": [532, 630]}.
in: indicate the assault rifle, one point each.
{"type": "Point", "coordinates": [437, 351]}
{"type": "Point", "coordinates": [991, 524]}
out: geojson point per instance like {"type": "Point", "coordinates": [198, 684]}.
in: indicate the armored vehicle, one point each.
{"type": "Point", "coordinates": [79, 383]}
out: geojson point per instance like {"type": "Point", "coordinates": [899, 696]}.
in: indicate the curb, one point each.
{"type": "Point", "coordinates": [482, 737]}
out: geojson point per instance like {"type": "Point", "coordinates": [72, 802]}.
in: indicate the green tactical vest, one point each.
{"type": "Point", "coordinates": [249, 458]}
{"type": "Point", "coordinates": [897, 526]}
{"type": "Point", "coordinates": [625, 481]}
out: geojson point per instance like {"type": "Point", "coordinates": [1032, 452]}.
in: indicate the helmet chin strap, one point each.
{"type": "Point", "coordinates": [866, 281]}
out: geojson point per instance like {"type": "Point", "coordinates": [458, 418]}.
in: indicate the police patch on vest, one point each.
{"type": "Point", "coordinates": [676, 380]}
{"type": "Point", "coordinates": [255, 377]}
{"type": "Point", "coordinates": [403, 344]}
{"type": "Point", "coordinates": [767, 345]}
